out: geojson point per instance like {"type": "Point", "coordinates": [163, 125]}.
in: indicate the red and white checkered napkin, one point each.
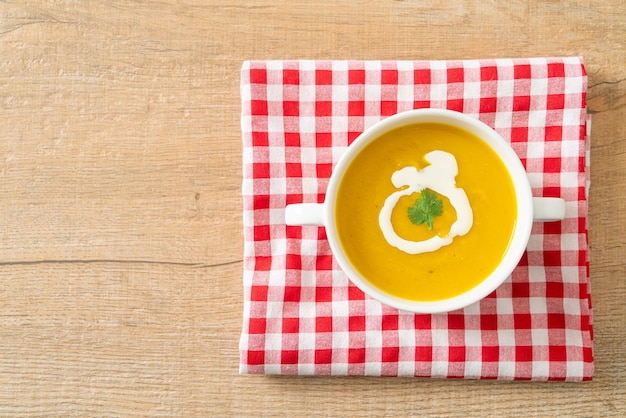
{"type": "Point", "coordinates": [302, 315]}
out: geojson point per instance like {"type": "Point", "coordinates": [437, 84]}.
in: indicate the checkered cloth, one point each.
{"type": "Point", "coordinates": [302, 315]}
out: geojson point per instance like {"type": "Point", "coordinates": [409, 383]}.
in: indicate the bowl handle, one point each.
{"type": "Point", "coordinates": [305, 214]}
{"type": "Point", "coordinates": [547, 209]}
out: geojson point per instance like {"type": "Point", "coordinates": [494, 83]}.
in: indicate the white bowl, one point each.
{"type": "Point", "coordinates": [324, 214]}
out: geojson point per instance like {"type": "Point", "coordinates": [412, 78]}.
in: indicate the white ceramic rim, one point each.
{"type": "Point", "coordinates": [522, 228]}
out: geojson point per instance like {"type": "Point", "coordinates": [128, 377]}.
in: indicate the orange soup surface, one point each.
{"type": "Point", "coordinates": [452, 269]}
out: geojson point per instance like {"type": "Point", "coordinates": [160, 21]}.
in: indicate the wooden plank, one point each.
{"type": "Point", "coordinates": [120, 206]}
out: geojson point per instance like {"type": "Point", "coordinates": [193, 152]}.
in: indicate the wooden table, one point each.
{"type": "Point", "coordinates": [120, 204]}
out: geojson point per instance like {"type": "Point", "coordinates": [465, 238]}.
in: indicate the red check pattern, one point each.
{"type": "Point", "coordinates": [302, 315]}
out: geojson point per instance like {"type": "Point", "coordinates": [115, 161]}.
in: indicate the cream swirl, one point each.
{"type": "Point", "coordinates": [439, 176]}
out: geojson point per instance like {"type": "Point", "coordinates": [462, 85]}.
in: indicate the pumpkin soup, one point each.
{"type": "Point", "coordinates": [426, 211]}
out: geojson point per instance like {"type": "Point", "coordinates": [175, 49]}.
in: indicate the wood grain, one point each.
{"type": "Point", "coordinates": [120, 206]}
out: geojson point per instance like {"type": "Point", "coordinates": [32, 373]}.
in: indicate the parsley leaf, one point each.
{"type": "Point", "coordinates": [426, 207]}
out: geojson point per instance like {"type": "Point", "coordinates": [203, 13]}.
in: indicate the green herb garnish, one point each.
{"type": "Point", "coordinates": [426, 207]}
